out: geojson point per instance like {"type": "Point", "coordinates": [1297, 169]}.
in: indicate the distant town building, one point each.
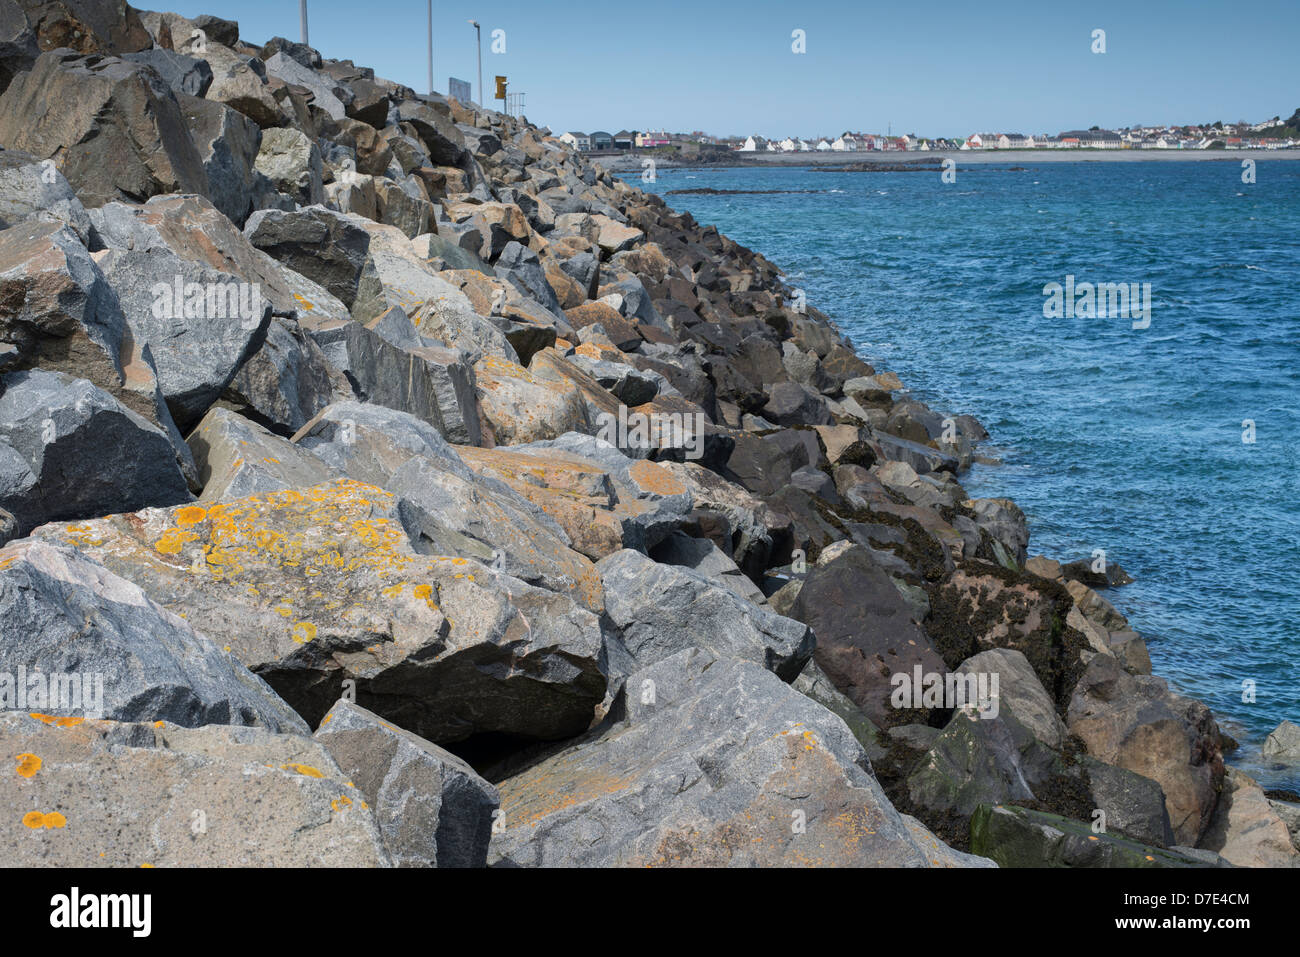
{"type": "Point", "coordinates": [624, 139]}
{"type": "Point", "coordinates": [579, 141]}
{"type": "Point", "coordinates": [600, 140]}
{"type": "Point", "coordinates": [652, 139]}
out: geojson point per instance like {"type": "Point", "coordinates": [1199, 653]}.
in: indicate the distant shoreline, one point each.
{"type": "Point", "coordinates": [634, 160]}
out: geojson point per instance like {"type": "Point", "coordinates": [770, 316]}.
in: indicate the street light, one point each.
{"type": "Point", "coordinates": [478, 37]}
{"type": "Point", "coordinates": [302, 18]}
{"type": "Point", "coordinates": [431, 47]}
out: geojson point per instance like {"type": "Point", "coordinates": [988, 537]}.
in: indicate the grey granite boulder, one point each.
{"type": "Point", "coordinates": [714, 762]}
{"type": "Point", "coordinates": [70, 450]}
{"type": "Point", "coordinates": [114, 653]}
{"type": "Point", "coordinates": [114, 128]}
{"type": "Point", "coordinates": [432, 809]}
{"type": "Point", "coordinates": [310, 588]}
{"type": "Point", "coordinates": [109, 794]}
{"type": "Point", "coordinates": [663, 609]}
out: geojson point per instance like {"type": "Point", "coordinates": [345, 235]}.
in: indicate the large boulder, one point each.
{"type": "Point", "coordinates": [327, 247]}
{"type": "Point", "coordinates": [389, 363]}
{"type": "Point", "coordinates": [69, 450]}
{"type": "Point", "coordinates": [447, 507]}
{"type": "Point", "coordinates": [1020, 837]}
{"type": "Point", "coordinates": [663, 609]}
{"type": "Point", "coordinates": [1136, 722]}
{"type": "Point", "coordinates": [292, 163]}
{"type": "Point", "coordinates": [63, 316]}
{"type": "Point", "coordinates": [202, 333]}
{"type": "Point", "coordinates": [35, 189]}
{"type": "Point", "coordinates": [865, 633]}
{"type": "Point", "coordinates": [1246, 829]}
{"type": "Point", "coordinates": [227, 144]}
{"type": "Point", "coordinates": [432, 809]}
{"type": "Point", "coordinates": [109, 794]}
{"type": "Point", "coordinates": [236, 458]}
{"type": "Point", "coordinates": [314, 587]}
{"type": "Point", "coordinates": [110, 652]}
{"type": "Point", "coordinates": [716, 762]}
{"type": "Point", "coordinates": [113, 128]}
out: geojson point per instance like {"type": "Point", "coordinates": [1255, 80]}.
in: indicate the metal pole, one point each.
{"type": "Point", "coordinates": [478, 39]}
{"type": "Point", "coordinates": [431, 47]}
{"type": "Point", "coordinates": [302, 18]}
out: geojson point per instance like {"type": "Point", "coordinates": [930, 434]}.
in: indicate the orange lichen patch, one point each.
{"type": "Point", "coordinates": [28, 765]}
{"type": "Point", "coordinates": [655, 478]}
{"type": "Point", "coordinates": [423, 592]}
{"type": "Point", "coordinates": [303, 632]}
{"type": "Point", "coordinates": [306, 303]}
{"type": "Point", "coordinates": [160, 724]}
{"type": "Point", "coordinates": [36, 820]}
{"type": "Point", "coordinates": [339, 803]}
{"type": "Point", "coordinates": [191, 515]}
{"type": "Point", "coordinates": [306, 770]}
{"type": "Point", "coordinates": [172, 541]}
{"type": "Point", "coordinates": [57, 721]}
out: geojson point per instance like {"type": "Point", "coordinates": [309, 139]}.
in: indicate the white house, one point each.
{"type": "Point", "coordinates": [753, 144]}
{"type": "Point", "coordinates": [788, 145]}
{"type": "Point", "coordinates": [823, 146]}
{"type": "Point", "coordinates": [579, 141]}
{"type": "Point", "coordinates": [845, 144]}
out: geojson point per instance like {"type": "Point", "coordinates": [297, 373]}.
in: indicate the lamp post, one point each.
{"type": "Point", "coordinates": [302, 19]}
{"type": "Point", "coordinates": [478, 41]}
{"type": "Point", "coordinates": [431, 47]}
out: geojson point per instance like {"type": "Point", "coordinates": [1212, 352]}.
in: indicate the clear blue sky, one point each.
{"type": "Point", "coordinates": [939, 68]}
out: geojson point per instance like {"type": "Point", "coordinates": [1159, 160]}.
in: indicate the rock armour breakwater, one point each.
{"type": "Point", "coordinates": [386, 487]}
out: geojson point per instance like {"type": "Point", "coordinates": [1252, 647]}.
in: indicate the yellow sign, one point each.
{"type": "Point", "coordinates": [501, 88]}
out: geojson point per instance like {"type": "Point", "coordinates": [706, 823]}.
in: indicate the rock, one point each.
{"type": "Point", "coordinates": [312, 587]}
{"type": "Point", "coordinates": [716, 762]}
{"type": "Point", "coordinates": [118, 654]}
{"type": "Point", "coordinates": [1021, 691]}
{"type": "Point", "coordinates": [53, 426]}
{"type": "Point", "coordinates": [31, 189]}
{"type": "Point", "coordinates": [814, 683]}
{"type": "Point", "coordinates": [431, 808]}
{"type": "Point", "coordinates": [106, 794]}
{"type": "Point", "coordinates": [66, 318]}
{"type": "Point", "coordinates": [292, 162]}
{"type": "Point", "coordinates": [747, 517]}
{"type": "Point", "coordinates": [662, 609]}
{"type": "Point", "coordinates": [1283, 742]}
{"type": "Point", "coordinates": [980, 758]}
{"type": "Point", "coordinates": [227, 143]}
{"type": "Point", "coordinates": [1135, 722]}
{"type": "Point", "coordinates": [865, 634]}
{"type": "Point", "coordinates": [198, 344]}
{"type": "Point", "coordinates": [1044, 567]}
{"type": "Point", "coordinates": [922, 458]}
{"type": "Point", "coordinates": [113, 128]}
{"type": "Point", "coordinates": [286, 381]}
{"type": "Point", "coordinates": [323, 93]}
{"type": "Point", "coordinates": [390, 364]}
{"type": "Point", "coordinates": [980, 607]}
{"type": "Point", "coordinates": [601, 499]}
{"type": "Point", "coordinates": [447, 508]}
{"type": "Point", "coordinates": [1246, 831]}
{"type": "Point", "coordinates": [1134, 805]}
{"type": "Point", "coordinates": [707, 559]}
{"type": "Point", "coordinates": [237, 458]}
{"type": "Point", "coordinates": [1019, 837]}
{"type": "Point", "coordinates": [1005, 524]}
{"type": "Point", "coordinates": [240, 83]}
{"type": "Point", "coordinates": [519, 406]}
{"type": "Point", "coordinates": [182, 73]}
{"type": "Point", "coordinates": [328, 248]}
{"type": "Point", "coordinates": [613, 237]}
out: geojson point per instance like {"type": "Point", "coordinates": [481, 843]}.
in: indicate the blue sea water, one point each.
{"type": "Point", "coordinates": [1128, 440]}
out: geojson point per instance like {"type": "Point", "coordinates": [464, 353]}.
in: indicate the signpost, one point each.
{"type": "Point", "coordinates": [501, 92]}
